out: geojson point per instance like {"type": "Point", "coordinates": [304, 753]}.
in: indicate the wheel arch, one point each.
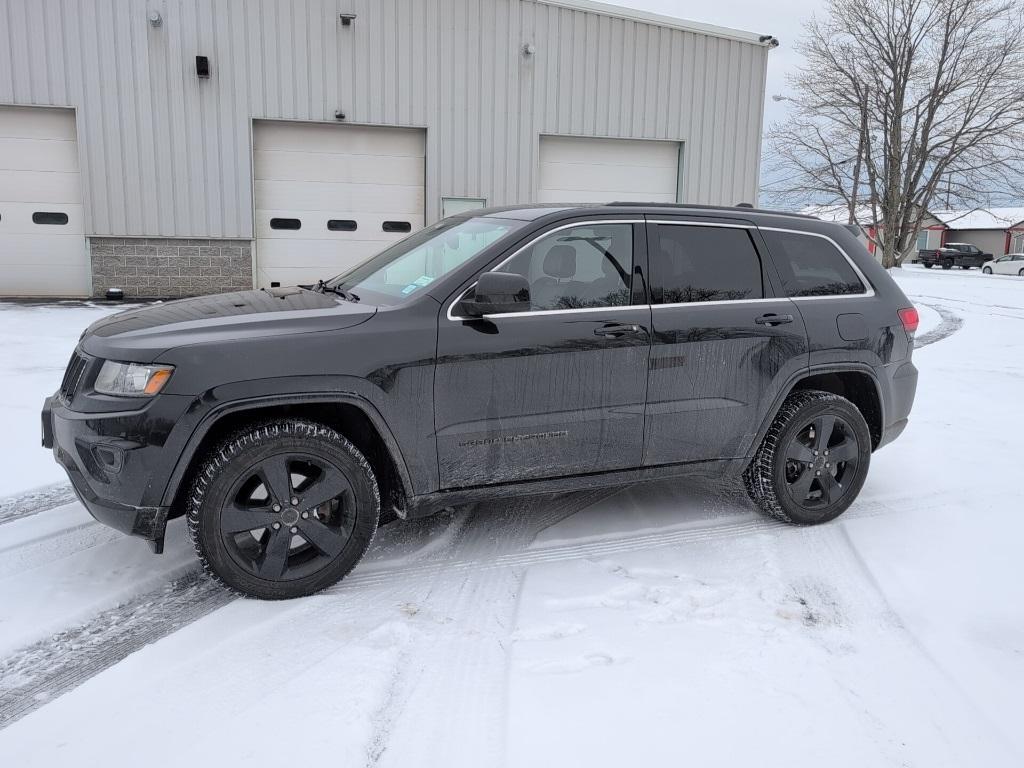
{"type": "Point", "coordinates": [349, 414]}
{"type": "Point", "coordinates": [858, 384]}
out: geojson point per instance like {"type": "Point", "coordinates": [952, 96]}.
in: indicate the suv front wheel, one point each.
{"type": "Point", "coordinates": [812, 463]}
{"type": "Point", "coordinates": [283, 509]}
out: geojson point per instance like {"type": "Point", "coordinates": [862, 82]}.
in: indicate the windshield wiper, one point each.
{"type": "Point", "coordinates": [323, 287]}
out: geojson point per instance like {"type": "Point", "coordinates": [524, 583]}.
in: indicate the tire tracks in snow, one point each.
{"type": "Point", "coordinates": [472, 581]}
{"type": "Point", "coordinates": [950, 324]}
{"type": "Point", "coordinates": [40, 673]}
{"type": "Point", "coordinates": [35, 501]}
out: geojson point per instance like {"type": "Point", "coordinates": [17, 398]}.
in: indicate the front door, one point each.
{"type": "Point", "coordinates": [724, 342]}
{"type": "Point", "coordinates": [558, 390]}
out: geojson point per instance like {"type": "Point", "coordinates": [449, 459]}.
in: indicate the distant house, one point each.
{"type": "Point", "coordinates": [994, 230]}
{"type": "Point", "coordinates": [929, 236]}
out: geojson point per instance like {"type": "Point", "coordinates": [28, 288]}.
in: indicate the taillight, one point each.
{"type": "Point", "coordinates": [910, 319]}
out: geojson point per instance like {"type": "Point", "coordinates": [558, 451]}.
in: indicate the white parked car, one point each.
{"type": "Point", "coordinates": [1010, 264]}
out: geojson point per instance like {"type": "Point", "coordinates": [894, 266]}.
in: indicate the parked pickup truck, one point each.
{"type": "Point", "coordinates": [963, 255]}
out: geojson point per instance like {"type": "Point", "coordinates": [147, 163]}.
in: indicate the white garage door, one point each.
{"type": "Point", "coordinates": [42, 231]}
{"type": "Point", "coordinates": [329, 196]}
{"type": "Point", "coordinates": [584, 170]}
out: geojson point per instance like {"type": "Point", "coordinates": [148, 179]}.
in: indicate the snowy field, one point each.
{"type": "Point", "coordinates": [654, 625]}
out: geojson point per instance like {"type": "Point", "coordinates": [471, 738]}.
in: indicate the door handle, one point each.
{"type": "Point", "coordinates": [616, 330]}
{"type": "Point", "coordinates": [771, 319]}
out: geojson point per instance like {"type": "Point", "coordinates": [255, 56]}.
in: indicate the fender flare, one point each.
{"type": "Point", "coordinates": [814, 370]}
{"type": "Point", "coordinates": [215, 414]}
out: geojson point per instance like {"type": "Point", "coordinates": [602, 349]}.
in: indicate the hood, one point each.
{"type": "Point", "coordinates": [142, 334]}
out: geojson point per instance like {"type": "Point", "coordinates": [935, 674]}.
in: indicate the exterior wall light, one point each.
{"type": "Point", "coordinates": [155, 19]}
{"type": "Point", "coordinates": [529, 49]}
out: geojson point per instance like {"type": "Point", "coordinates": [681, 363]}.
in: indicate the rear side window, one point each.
{"type": "Point", "coordinates": [811, 266]}
{"type": "Point", "coordinates": [696, 263]}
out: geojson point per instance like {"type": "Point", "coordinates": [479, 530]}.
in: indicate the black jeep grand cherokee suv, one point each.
{"type": "Point", "coordinates": [502, 352]}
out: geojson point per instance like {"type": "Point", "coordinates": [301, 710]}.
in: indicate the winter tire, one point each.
{"type": "Point", "coordinates": [964, 266]}
{"type": "Point", "coordinates": [812, 463]}
{"type": "Point", "coordinates": [987, 270]}
{"type": "Point", "coordinates": [947, 265]}
{"type": "Point", "coordinates": [1020, 273]}
{"type": "Point", "coordinates": [928, 265]}
{"type": "Point", "coordinates": [283, 509]}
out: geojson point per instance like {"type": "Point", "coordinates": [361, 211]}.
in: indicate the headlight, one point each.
{"type": "Point", "coordinates": [131, 379]}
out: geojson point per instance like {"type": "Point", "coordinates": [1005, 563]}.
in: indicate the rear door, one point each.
{"type": "Point", "coordinates": [558, 390]}
{"type": "Point", "coordinates": [725, 340]}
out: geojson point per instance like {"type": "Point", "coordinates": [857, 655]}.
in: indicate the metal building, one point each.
{"type": "Point", "coordinates": [173, 148]}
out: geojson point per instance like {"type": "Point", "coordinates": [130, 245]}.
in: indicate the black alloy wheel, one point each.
{"type": "Point", "coordinates": [283, 509]}
{"type": "Point", "coordinates": [821, 460]}
{"type": "Point", "coordinates": [813, 461]}
{"type": "Point", "coordinates": [288, 516]}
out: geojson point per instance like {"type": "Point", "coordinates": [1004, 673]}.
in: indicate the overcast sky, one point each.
{"type": "Point", "coordinates": [784, 20]}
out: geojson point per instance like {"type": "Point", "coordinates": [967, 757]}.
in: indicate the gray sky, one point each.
{"type": "Point", "coordinates": [783, 19]}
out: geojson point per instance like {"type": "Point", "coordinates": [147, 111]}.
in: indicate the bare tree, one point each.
{"type": "Point", "coordinates": [899, 100]}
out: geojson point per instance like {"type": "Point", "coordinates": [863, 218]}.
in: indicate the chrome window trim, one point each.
{"type": "Point", "coordinates": [868, 292]}
{"type": "Point", "coordinates": [535, 312]}
{"type": "Point", "coordinates": [701, 224]}
{"type": "Point", "coordinates": [869, 289]}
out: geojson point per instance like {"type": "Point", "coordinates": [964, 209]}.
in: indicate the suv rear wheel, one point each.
{"type": "Point", "coordinates": [813, 461]}
{"type": "Point", "coordinates": [283, 509]}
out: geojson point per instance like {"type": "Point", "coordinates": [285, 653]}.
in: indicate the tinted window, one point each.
{"type": "Point", "coordinates": [586, 266]}
{"type": "Point", "coordinates": [690, 263]}
{"type": "Point", "coordinates": [285, 224]}
{"type": "Point", "coordinates": [341, 225]}
{"type": "Point", "coordinates": [396, 226]}
{"type": "Point", "coordinates": [811, 266]}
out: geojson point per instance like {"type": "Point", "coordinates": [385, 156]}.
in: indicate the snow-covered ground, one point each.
{"type": "Point", "coordinates": [664, 624]}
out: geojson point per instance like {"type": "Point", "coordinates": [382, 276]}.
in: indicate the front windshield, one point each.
{"type": "Point", "coordinates": [410, 265]}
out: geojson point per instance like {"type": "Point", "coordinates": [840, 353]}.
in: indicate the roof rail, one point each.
{"type": "Point", "coordinates": [694, 206]}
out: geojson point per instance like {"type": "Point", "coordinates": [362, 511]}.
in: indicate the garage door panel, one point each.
{"type": "Point", "coordinates": [597, 196]}
{"type": "Point", "coordinates": [606, 177]}
{"type": "Point", "coordinates": [340, 139]}
{"type": "Point", "coordinates": [38, 155]}
{"type": "Point", "coordinates": [340, 198]}
{"type": "Point", "coordinates": [49, 187]}
{"type": "Point", "coordinates": [23, 280]}
{"type": "Point", "coordinates": [38, 123]}
{"type": "Point", "coordinates": [292, 266]}
{"type": "Point", "coordinates": [316, 166]}
{"type": "Point", "coordinates": [587, 150]}
{"type": "Point", "coordinates": [317, 172]}
{"type": "Point", "coordinates": [16, 218]}
{"type": "Point", "coordinates": [577, 169]}
{"type": "Point", "coordinates": [314, 225]}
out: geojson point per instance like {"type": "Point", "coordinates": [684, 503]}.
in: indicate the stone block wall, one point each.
{"type": "Point", "coordinates": [166, 268]}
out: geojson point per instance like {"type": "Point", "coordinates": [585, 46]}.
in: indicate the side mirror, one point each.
{"type": "Point", "coordinates": [498, 293]}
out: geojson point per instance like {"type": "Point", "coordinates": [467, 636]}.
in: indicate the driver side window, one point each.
{"type": "Point", "coordinates": [590, 265]}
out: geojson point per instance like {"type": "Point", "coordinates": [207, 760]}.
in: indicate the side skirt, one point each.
{"type": "Point", "coordinates": [431, 503]}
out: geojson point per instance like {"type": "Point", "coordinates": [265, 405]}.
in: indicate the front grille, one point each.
{"type": "Point", "coordinates": [73, 376]}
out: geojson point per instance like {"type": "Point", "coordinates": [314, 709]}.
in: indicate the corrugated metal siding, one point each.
{"type": "Point", "coordinates": [167, 154]}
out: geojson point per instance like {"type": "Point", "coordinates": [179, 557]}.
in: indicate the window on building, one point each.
{"type": "Point", "coordinates": [285, 224]}
{"type": "Point", "coordinates": [396, 226]}
{"type": "Point", "coordinates": [341, 225]}
{"type": "Point", "coordinates": [922, 240]}
{"type": "Point", "coordinates": [578, 268]}
{"type": "Point", "coordinates": [49, 217]}
{"type": "Point", "coordinates": [696, 263]}
{"type": "Point", "coordinates": [811, 266]}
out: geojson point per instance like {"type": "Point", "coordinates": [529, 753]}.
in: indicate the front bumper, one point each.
{"type": "Point", "coordinates": [115, 463]}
